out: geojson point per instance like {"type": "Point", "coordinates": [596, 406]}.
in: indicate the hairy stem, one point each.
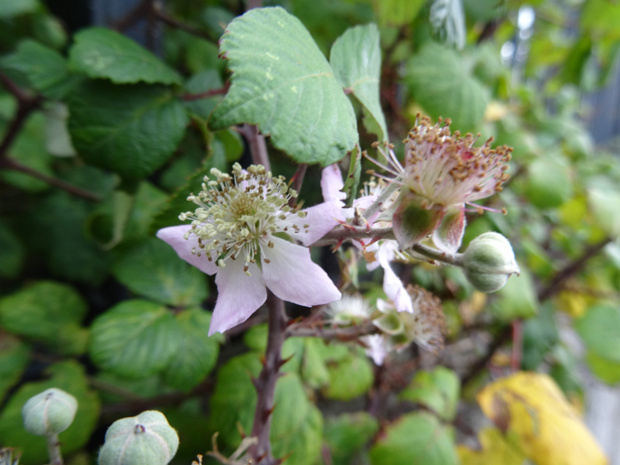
{"type": "Point", "coordinates": [266, 382]}
{"type": "Point", "coordinates": [53, 449]}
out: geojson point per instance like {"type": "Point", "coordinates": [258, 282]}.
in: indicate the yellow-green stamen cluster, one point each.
{"type": "Point", "coordinates": [238, 213]}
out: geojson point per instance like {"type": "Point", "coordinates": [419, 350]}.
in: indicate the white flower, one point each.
{"type": "Point", "coordinates": [243, 231]}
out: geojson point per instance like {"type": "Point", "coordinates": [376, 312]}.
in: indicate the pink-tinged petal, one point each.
{"type": "Point", "coordinates": [449, 234]}
{"type": "Point", "coordinates": [239, 295]}
{"type": "Point", "coordinates": [320, 219]}
{"type": "Point", "coordinates": [294, 277]}
{"type": "Point", "coordinates": [332, 184]}
{"type": "Point", "coordinates": [174, 236]}
{"type": "Point", "coordinates": [411, 222]}
{"type": "Point", "coordinates": [376, 348]}
{"type": "Point", "coordinates": [394, 289]}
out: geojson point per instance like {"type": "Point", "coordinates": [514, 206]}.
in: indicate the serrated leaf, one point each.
{"type": "Point", "coordinates": [70, 377]}
{"type": "Point", "coordinates": [196, 354]}
{"type": "Point", "coordinates": [531, 410]}
{"type": "Point", "coordinates": [437, 389]}
{"type": "Point", "coordinates": [440, 82]}
{"type": "Point", "coordinates": [103, 53]}
{"type": "Point", "coordinates": [44, 68]}
{"type": "Point", "coordinates": [282, 82]}
{"type": "Point", "coordinates": [14, 357]}
{"type": "Point", "coordinates": [599, 329]}
{"type": "Point", "coordinates": [347, 434]}
{"type": "Point", "coordinates": [152, 269]}
{"type": "Point", "coordinates": [134, 339]}
{"type": "Point", "coordinates": [415, 438]}
{"type": "Point", "coordinates": [135, 129]}
{"type": "Point", "coordinates": [48, 312]}
{"type": "Point", "coordinates": [355, 58]}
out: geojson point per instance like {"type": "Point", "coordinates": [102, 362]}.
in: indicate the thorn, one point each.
{"type": "Point", "coordinates": [267, 413]}
{"type": "Point", "coordinates": [337, 246]}
{"type": "Point", "coordinates": [240, 430]}
{"type": "Point", "coordinates": [282, 362]}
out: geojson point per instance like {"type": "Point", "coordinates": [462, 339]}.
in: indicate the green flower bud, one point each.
{"type": "Point", "coordinates": [489, 261]}
{"type": "Point", "coordinates": [50, 412]}
{"type": "Point", "coordinates": [147, 438]}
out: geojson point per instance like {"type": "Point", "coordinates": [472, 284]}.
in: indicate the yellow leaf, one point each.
{"type": "Point", "coordinates": [531, 409]}
{"type": "Point", "coordinates": [495, 451]}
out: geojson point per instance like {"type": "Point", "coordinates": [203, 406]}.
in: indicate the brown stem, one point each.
{"type": "Point", "coordinates": [258, 147]}
{"type": "Point", "coordinates": [206, 94]}
{"type": "Point", "coordinates": [348, 333]}
{"type": "Point", "coordinates": [298, 179]}
{"type": "Point", "coordinates": [9, 163]}
{"type": "Point", "coordinates": [170, 21]}
{"type": "Point", "coordinates": [266, 382]}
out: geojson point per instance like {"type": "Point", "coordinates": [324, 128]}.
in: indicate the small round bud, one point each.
{"type": "Point", "coordinates": [489, 261]}
{"type": "Point", "coordinates": [50, 412]}
{"type": "Point", "coordinates": [146, 438]}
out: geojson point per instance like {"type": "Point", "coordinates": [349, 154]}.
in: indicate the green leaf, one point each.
{"type": "Point", "coordinates": [352, 181]}
{"type": "Point", "coordinates": [10, 8]}
{"type": "Point", "coordinates": [517, 299]}
{"type": "Point", "coordinates": [397, 12]}
{"type": "Point", "coordinates": [14, 357]}
{"type": "Point", "coordinates": [355, 58]}
{"type": "Point", "coordinates": [415, 438]}
{"type": "Point", "coordinates": [70, 377]}
{"type": "Point", "coordinates": [11, 252]}
{"type": "Point", "coordinates": [549, 182]}
{"type": "Point", "coordinates": [540, 334]}
{"type": "Point", "coordinates": [196, 354]}
{"type": "Point", "coordinates": [313, 368]}
{"type": "Point", "coordinates": [134, 130]}
{"type": "Point", "coordinates": [603, 198]}
{"type": "Point", "coordinates": [347, 434]}
{"type": "Point", "coordinates": [48, 312]}
{"type": "Point", "coordinates": [349, 377]}
{"type": "Point", "coordinates": [234, 399]}
{"type": "Point", "coordinates": [103, 53]}
{"type": "Point", "coordinates": [606, 370]}
{"type": "Point", "coordinates": [599, 329]}
{"type": "Point", "coordinates": [153, 269]}
{"type": "Point", "coordinates": [199, 84]}
{"type": "Point", "coordinates": [44, 68]}
{"type": "Point", "coordinates": [440, 82]}
{"type": "Point", "coordinates": [437, 389]}
{"type": "Point", "coordinates": [134, 339]}
{"type": "Point", "coordinates": [283, 83]}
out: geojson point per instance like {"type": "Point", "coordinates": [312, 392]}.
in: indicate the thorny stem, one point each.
{"type": "Point", "coordinates": [383, 197]}
{"type": "Point", "coordinates": [53, 449]}
{"type": "Point", "coordinates": [266, 382]}
{"type": "Point", "coordinates": [348, 333]}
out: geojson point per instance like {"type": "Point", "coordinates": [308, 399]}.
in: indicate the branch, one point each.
{"type": "Point", "coordinates": [348, 333]}
{"type": "Point", "coordinates": [206, 94]}
{"type": "Point", "coordinates": [170, 21]}
{"type": "Point", "coordinates": [258, 147]}
{"type": "Point", "coordinates": [266, 382]}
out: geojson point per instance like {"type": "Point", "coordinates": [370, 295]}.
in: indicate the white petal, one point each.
{"type": "Point", "coordinates": [294, 277]}
{"type": "Point", "coordinates": [321, 219]}
{"type": "Point", "coordinates": [376, 349]}
{"type": "Point", "coordinates": [239, 295]}
{"type": "Point", "coordinates": [174, 236]}
{"type": "Point", "coordinates": [394, 288]}
{"type": "Point", "coordinates": [332, 184]}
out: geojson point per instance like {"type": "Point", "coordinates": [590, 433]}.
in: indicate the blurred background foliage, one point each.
{"type": "Point", "coordinates": [105, 134]}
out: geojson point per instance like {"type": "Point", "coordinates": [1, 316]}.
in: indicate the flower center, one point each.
{"type": "Point", "coordinates": [236, 212]}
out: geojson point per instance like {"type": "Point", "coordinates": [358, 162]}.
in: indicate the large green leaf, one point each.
{"type": "Point", "coordinates": [9, 8]}
{"type": "Point", "coordinates": [196, 354]}
{"type": "Point", "coordinates": [14, 357]}
{"type": "Point", "coordinates": [517, 299]}
{"type": "Point", "coordinates": [102, 53]}
{"type": "Point", "coordinates": [415, 438]}
{"type": "Point", "coordinates": [347, 434]}
{"type": "Point", "coordinates": [437, 389]}
{"type": "Point", "coordinates": [349, 377]}
{"type": "Point", "coordinates": [282, 82]}
{"type": "Point", "coordinates": [47, 312]}
{"type": "Point", "coordinates": [135, 129]}
{"type": "Point", "coordinates": [70, 377]}
{"type": "Point", "coordinates": [152, 269]}
{"type": "Point", "coordinates": [45, 69]}
{"type": "Point", "coordinates": [440, 82]}
{"type": "Point", "coordinates": [599, 328]}
{"type": "Point", "coordinates": [134, 339]}
{"type": "Point", "coordinates": [356, 60]}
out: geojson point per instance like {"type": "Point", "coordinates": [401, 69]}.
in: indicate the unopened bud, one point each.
{"type": "Point", "coordinates": [50, 412]}
{"type": "Point", "coordinates": [146, 438]}
{"type": "Point", "coordinates": [489, 261]}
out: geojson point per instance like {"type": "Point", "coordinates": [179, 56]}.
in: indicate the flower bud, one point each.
{"type": "Point", "coordinates": [49, 412]}
{"type": "Point", "coordinates": [489, 261]}
{"type": "Point", "coordinates": [146, 438]}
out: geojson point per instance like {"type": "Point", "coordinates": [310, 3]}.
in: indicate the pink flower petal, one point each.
{"type": "Point", "coordinates": [332, 184]}
{"type": "Point", "coordinates": [449, 234]}
{"type": "Point", "coordinates": [394, 288]}
{"type": "Point", "coordinates": [294, 277]}
{"type": "Point", "coordinates": [174, 236]}
{"type": "Point", "coordinates": [321, 219]}
{"type": "Point", "coordinates": [376, 349]}
{"type": "Point", "coordinates": [239, 295]}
